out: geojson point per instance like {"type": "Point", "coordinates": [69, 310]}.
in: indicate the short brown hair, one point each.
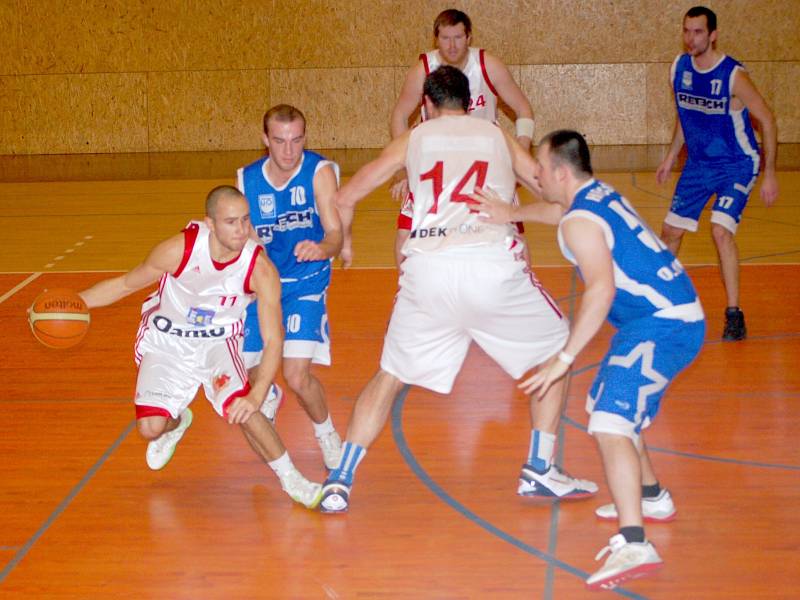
{"type": "Point", "coordinates": [450, 17]}
{"type": "Point", "coordinates": [283, 113]}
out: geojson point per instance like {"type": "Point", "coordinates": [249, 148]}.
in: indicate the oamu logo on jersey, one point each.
{"type": "Point", "coordinates": [266, 206]}
{"type": "Point", "coordinates": [686, 82]}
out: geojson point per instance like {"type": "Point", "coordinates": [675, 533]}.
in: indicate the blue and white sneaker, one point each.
{"type": "Point", "coordinates": [553, 484]}
{"type": "Point", "coordinates": [335, 498]}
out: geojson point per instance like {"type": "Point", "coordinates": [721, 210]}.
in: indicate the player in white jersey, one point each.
{"type": "Point", "coordinates": [191, 334]}
{"type": "Point", "coordinates": [489, 79]}
{"type": "Point", "coordinates": [463, 280]}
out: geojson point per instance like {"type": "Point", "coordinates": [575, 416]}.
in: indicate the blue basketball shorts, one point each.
{"type": "Point", "coordinates": [305, 322]}
{"type": "Point", "coordinates": [643, 359]}
{"type": "Point", "coordinates": [731, 184]}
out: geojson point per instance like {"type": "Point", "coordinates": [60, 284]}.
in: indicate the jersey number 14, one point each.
{"type": "Point", "coordinates": [436, 175]}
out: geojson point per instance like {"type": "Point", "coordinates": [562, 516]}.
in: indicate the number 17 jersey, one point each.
{"type": "Point", "coordinates": [447, 158]}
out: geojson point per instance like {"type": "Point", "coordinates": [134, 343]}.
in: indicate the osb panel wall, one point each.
{"type": "Point", "coordinates": [97, 76]}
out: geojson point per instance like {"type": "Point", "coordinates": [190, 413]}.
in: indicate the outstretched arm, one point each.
{"type": "Point", "coordinates": [164, 258]}
{"type": "Point", "coordinates": [497, 211]}
{"type": "Point", "coordinates": [366, 179]}
{"type": "Point", "coordinates": [744, 90]}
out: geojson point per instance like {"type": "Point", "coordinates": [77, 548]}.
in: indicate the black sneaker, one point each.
{"type": "Point", "coordinates": [735, 329]}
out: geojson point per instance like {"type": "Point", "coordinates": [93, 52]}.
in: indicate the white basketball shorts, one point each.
{"type": "Point", "coordinates": [172, 369]}
{"type": "Point", "coordinates": [447, 299]}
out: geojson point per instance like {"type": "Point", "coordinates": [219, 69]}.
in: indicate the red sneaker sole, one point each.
{"type": "Point", "coordinates": [611, 582]}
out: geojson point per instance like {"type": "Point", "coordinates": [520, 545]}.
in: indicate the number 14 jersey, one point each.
{"type": "Point", "coordinates": [447, 158]}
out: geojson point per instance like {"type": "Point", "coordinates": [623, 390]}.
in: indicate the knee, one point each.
{"type": "Point", "coordinates": [670, 234]}
{"type": "Point", "coordinates": [296, 378]}
{"type": "Point", "coordinates": [722, 236]}
{"type": "Point", "coordinates": [151, 428]}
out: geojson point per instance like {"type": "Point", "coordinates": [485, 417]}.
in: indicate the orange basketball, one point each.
{"type": "Point", "coordinates": [59, 318]}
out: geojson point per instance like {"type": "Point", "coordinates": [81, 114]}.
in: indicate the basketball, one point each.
{"type": "Point", "coordinates": [59, 318]}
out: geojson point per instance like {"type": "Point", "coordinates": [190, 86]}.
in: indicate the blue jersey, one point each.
{"type": "Point", "coordinates": [714, 132]}
{"type": "Point", "coordinates": [649, 280]}
{"type": "Point", "coordinates": [284, 216]}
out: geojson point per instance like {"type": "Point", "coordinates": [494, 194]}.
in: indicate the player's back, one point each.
{"type": "Point", "coordinates": [650, 281]}
{"type": "Point", "coordinates": [447, 158]}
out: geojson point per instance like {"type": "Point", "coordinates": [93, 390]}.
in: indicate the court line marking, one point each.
{"type": "Point", "coordinates": [555, 512]}
{"type": "Point", "coordinates": [23, 551]}
{"type": "Point", "coordinates": [427, 481]}
{"type": "Point", "coordinates": [19, 286]}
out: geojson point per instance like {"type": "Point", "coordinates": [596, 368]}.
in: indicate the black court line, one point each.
{"type": "Point", "coordinates": [427, 481]}
{"type": "Point", "coordinates": [559, 458]}
{"type": "Point", "coordinates": [23, 551]}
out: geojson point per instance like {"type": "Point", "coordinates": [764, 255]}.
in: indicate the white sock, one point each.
{"type": "Point", "coordinates": [323, 428]}
{"type": "Point", "coordinates": [282, 465]}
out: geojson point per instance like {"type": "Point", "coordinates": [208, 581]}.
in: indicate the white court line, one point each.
{"type": "Point", "coordinates": [18, 287]}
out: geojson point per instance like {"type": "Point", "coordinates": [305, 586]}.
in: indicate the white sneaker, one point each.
{"type": "Point", "coordinates": [628, 560]}
{"type": "Point", "coordinates": [300, 489]}
{"type": "Point", "coordinates": [331, 446]}
{"type": "Point", "coordinates": [553, 484]}
{"type": "Point", "coordinates": [161, 449]}
{"type": "Point", "coordinates": [270, 406]}
{"type": "Point", "coordinates": [660, 509]}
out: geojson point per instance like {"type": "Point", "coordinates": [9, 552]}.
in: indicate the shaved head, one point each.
{"type": "Point", "coordinates": [217, 194]}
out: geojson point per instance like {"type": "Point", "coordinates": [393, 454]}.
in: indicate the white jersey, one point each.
{"type": "Point", "coordinates": [202, 299]}
{"type": "Point", "coordinates": [483, 96]}
{"type": "Point", "coordinates": [447, 158]}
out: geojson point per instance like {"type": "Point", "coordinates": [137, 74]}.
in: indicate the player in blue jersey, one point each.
{"type": "Point", "coordinates": [290, 194]}
{"type": "Point", "coordinates": [715, 98]}
{"type": "Point", "coordinates": [631, 278]}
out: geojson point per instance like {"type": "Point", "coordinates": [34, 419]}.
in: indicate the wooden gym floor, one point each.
{"type": "Point", "coordinates": [434, 511]}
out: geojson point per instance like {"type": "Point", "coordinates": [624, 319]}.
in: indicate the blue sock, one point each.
{"type": "Point", "coordinates": [352, 455]}
{"type": "Point", "coordinates": [540, 452]}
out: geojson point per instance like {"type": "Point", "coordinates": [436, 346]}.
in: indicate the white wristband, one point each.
{"type": "Point", "coordinates": [524, 127]}
{"type": "Point", "coordinates": [565, 358]}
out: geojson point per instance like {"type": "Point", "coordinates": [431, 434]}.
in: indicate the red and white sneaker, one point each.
{"type": "Point", "coordinates": [628, 560]}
